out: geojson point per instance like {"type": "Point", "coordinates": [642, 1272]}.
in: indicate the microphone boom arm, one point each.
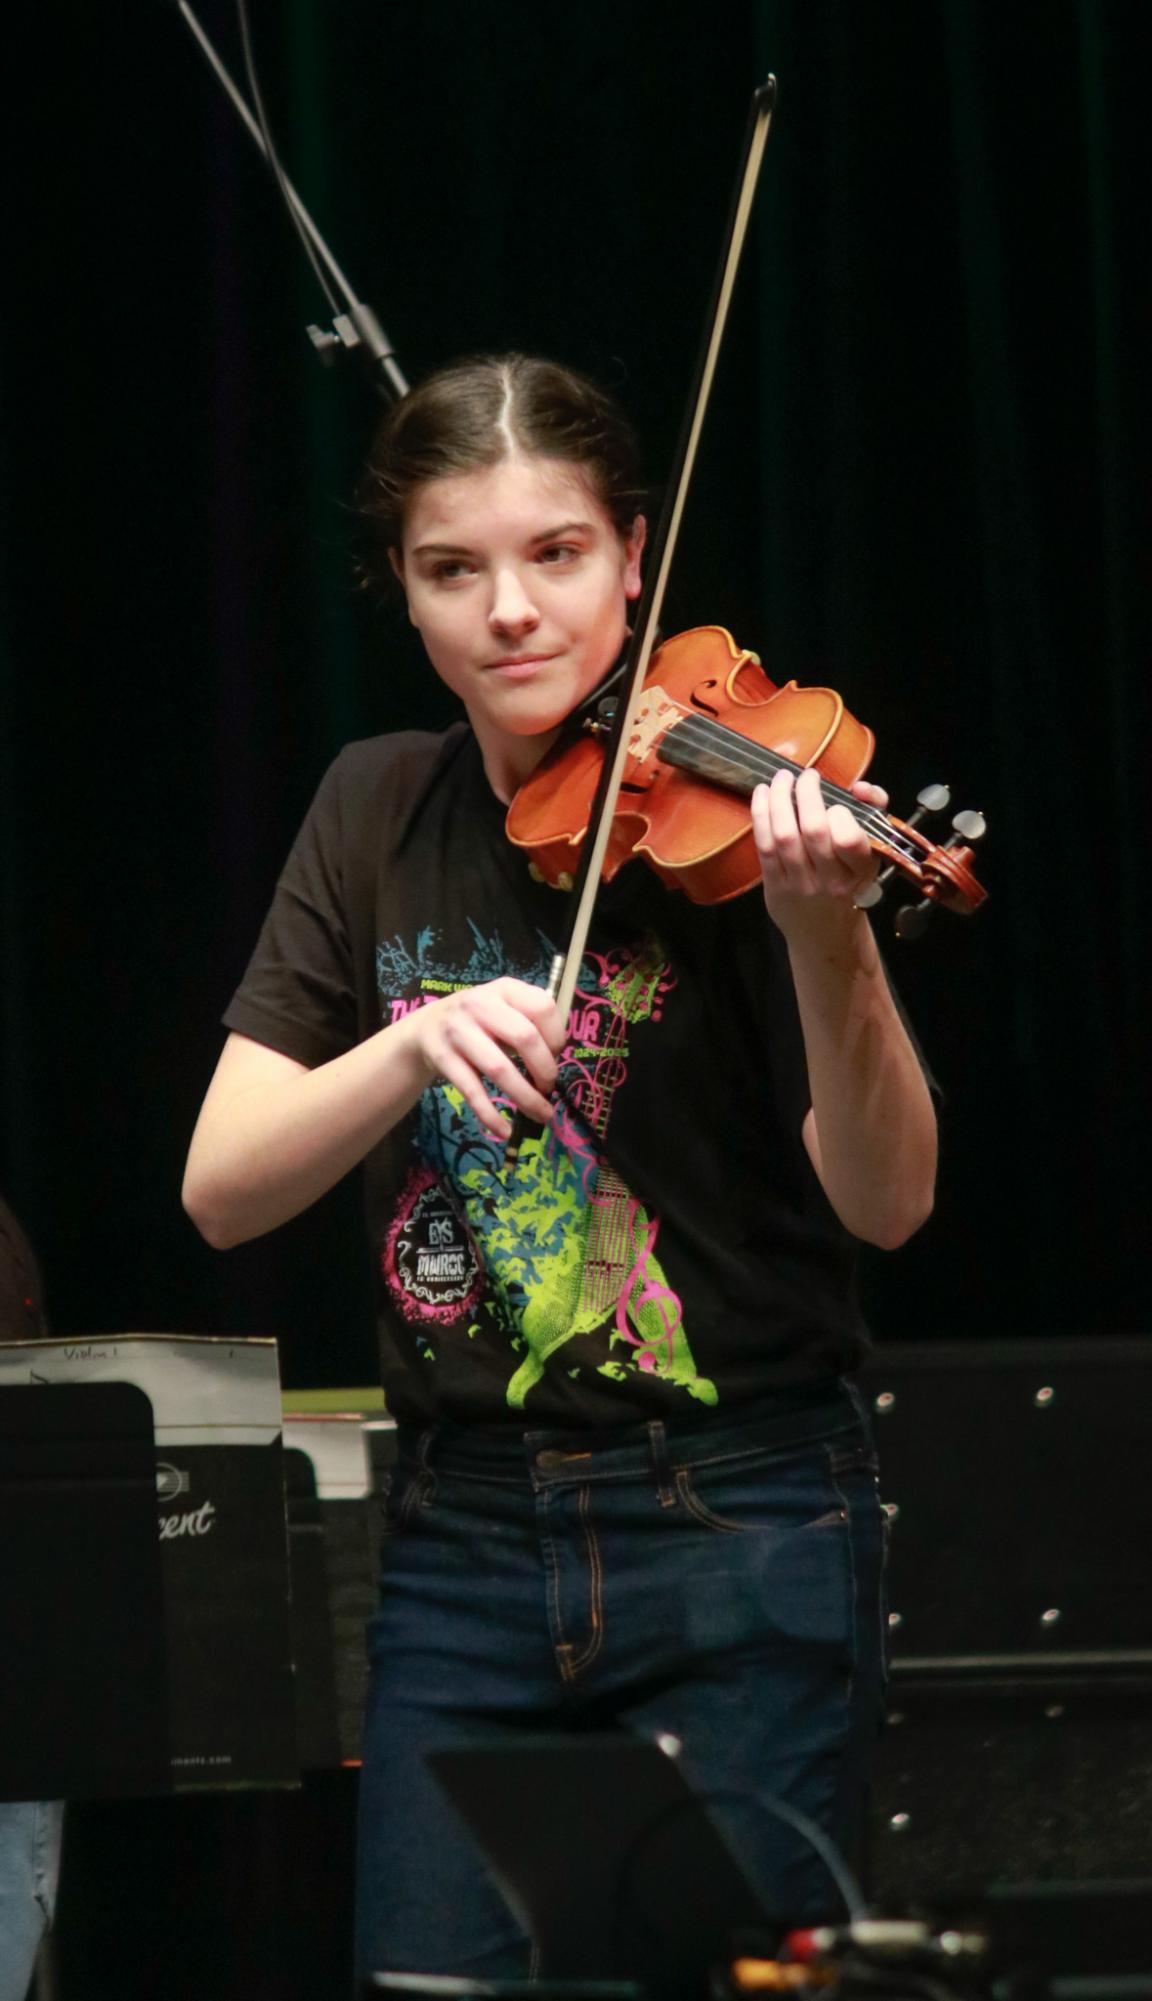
{"type": "Point", "coordinates": [356, 326]}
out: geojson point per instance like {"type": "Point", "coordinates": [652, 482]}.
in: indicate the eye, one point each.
{"type": "Point", "coordinates": [559, 552]}
{"type": "Point", "coordinates": [450, 569]}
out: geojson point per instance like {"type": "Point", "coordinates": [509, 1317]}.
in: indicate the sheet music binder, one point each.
{"type": "Point", "coordinates": [213, 1632]}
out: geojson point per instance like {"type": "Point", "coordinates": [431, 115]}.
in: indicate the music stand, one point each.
{"type": "Point", "coordinates": [608, 1858]}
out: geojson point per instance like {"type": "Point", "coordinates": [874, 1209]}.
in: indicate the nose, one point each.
{"type": "Point", "coordinates": [512, 610]}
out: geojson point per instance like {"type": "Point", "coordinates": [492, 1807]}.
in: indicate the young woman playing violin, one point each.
{"type": "Point", "coordinates": [634, 1489]}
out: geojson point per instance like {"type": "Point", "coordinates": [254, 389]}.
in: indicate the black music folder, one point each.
{"type": "Point", "coordinates": [145, 1567]}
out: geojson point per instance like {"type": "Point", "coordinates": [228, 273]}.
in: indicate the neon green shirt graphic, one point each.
{"type": "Point", "coordinates": [567, 1248]}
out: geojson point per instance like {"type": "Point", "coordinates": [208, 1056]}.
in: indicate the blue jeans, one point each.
{"type": "Point", "coordinates": [722, 1582]}
{"type": "Point", "coordinates": [29, 1866]}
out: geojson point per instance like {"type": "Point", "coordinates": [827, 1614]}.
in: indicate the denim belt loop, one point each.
{"type": "Point", "coordinates": [425, 1485]}
{"type": "Point", "coordinates": [424, 1445]}
{"type": "Point", "coordinates": [661, 1464]}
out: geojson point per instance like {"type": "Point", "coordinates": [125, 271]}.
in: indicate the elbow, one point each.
{"type": "Point", "coordinates": [899, 1221]}
{"type": "Point", "coordinates": [212, 1217]}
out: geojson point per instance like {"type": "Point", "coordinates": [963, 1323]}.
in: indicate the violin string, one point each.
{"type": "Point", "coordinates": [760, 763]}
{"type": "Point", "coordinates": [761, 758]}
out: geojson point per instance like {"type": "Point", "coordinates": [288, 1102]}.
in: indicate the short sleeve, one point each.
{"type": "Point", "coordinates": [298, 993]}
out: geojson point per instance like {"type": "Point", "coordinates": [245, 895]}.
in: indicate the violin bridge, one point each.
{"type": "Point", "coordinates": [654, 717]}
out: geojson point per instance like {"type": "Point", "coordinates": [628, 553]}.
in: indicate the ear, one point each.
{"type": "Point", "coordinates": [397, 561]}
{"type": "Point", "coordinates": [633, 550]}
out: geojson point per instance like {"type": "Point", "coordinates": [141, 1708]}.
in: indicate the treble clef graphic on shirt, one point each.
{"type": "Point", "coordinates": [620, 1274]}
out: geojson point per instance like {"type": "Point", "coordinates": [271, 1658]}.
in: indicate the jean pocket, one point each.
{"type": "Point", "coordinates": [757, 1501]}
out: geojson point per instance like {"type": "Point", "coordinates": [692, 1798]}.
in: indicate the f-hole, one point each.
{"type": "Point", "coordinates": [698, 701]}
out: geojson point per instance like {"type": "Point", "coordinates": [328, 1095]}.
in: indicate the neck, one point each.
{"type": "Point", "coordinates": [508, 761]}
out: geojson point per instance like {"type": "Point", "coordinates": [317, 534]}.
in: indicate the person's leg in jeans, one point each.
{"type": "Point", "coordinates": [29, 1866]}
{"type": "Point", "coordinates": [780, 1612]}
{"type": "Point", "coordinates": [723, 1585]}
{"type": "Point", "coordinates": [459, 1654]}
{"type": "Point", "coordinates": [731, 1595]}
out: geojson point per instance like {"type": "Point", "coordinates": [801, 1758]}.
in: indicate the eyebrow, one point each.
{"type": "Point", "coordinates": [549, 535]}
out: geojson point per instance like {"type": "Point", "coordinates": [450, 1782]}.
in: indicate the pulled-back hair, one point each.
{"type": "Point", "coordinates": [479, 411]}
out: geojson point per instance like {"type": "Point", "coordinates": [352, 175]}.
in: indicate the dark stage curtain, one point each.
{"type": "Point", "coordinates": [923, 483]}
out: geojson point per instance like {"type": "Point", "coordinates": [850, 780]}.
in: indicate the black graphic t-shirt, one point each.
{"type": "Point", "coordinates": [665, 1249]}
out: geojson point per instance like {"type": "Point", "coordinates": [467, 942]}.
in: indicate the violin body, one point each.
{"type": "Point", "coordinates": [711, 725]}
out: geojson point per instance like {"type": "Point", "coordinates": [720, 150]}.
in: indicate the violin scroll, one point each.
{"type": "Point", "coordinates": [944, 873]}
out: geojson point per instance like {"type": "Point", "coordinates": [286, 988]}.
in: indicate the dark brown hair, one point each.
{"type": "Point", "coordinates": [479, 411]}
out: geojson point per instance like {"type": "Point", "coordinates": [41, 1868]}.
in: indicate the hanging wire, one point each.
{"type": "Point", "coordinates": [769, 1806]}
{"type": "Point", "coordinates": [274, 157]}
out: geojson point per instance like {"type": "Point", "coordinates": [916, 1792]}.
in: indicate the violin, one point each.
{"type": "Point", "coordinates": [709, 727]}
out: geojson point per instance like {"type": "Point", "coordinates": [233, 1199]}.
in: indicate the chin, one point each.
{"type": "Point", "coordinates": [539, 717]}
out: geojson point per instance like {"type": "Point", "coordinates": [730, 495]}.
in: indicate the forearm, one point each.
{"type": "Point", "coordinates": [872, 1129]}
{"type": "Point", "coordinates": [273, 1136]}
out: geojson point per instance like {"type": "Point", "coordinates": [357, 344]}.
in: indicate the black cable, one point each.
{"type": "Point", "coordinates": [776, 1809]}
{"type": "Point", "coordinates": [274, 157]}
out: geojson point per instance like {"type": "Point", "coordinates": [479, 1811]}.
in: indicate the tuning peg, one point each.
{"type": "Point", "coordinates": [969, 827]}
{"type": "Point", "coordinates": [873, 894]}
{"type": "Point", "coordinates": [933, 799]}
{"type": "Point", "coordinates": [912, 920]}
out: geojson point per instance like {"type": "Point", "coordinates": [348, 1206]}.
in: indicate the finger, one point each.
{"type": "Point", "coordinates": [838, 850]}
{"type": "Point", "coordinates": [872, 795]}
{"type": "Point", "coordinates": [513, 1031]}
{"type": "Point", "coordinates": [456, 1072]}
{"type": "Point", "coordinates": [540, 1008]}
{"type": "Point", "coordinates": [761, 820]}
{"type": "Point", "coordinates": [498, 1011]}
{"type": "Point", "coordinates": [787, 841]}
{"type": "Point", "coordinates": [855, 859]}
{"type": "Point", "coordinates": [480, 1067]}
{"type": "Point", "coordinates": [848, 839]}
{"type": "Point", "coordinates": [489, 1059]}
{"type": "Point", "coordinates": [813, 818]}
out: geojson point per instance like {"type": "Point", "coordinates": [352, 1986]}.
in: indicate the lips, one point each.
{"type": "Point", "coordinates": [519, 666]}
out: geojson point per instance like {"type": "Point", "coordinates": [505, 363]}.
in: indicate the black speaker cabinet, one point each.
{"type": "Point", "coordinates": [1019, 1744]}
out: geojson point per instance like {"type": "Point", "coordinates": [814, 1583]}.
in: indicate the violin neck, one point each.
{"type": "Point", "coordinates": [721, 756]}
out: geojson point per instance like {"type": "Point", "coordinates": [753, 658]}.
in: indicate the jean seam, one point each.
{"type": "Point", "coordinates": [555, 1615]}
{"type": "Point", "coordinates": [697, 1509]}
{"type": "Point", "coordinates": [577, 1663]}
{"type": "Point", "coordinates": [853, 1586]}
{"type": "Point", "coordinates": [761, 1452]}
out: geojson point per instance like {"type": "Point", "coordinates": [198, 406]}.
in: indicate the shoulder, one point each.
{"type": "Point", "coordinates": [383, 779]}
{"type": "Point", "coordinates": [404, 762]}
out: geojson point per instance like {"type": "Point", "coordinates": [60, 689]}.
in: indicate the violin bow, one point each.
{"type": "Point", "coordinates": [565, 969]}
